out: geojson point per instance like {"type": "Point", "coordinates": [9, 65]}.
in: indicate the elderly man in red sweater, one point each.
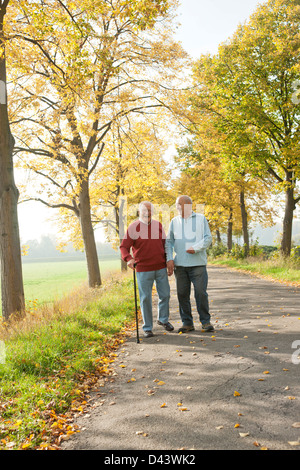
{"type": "Point", "coordinates": [145, 238]}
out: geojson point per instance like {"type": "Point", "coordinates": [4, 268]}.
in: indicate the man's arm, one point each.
{"type": "Point", "coordinates": [125, 247]}
{"type": "Point", "coordinates": [206, 240]}
{"type": "Point", "coordinates": [169, 246]}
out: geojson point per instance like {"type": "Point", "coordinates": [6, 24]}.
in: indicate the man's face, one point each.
{"type": "Point", "coordinates": [184, 208]}
{"type": "Point", "coordinates": [146, 213]}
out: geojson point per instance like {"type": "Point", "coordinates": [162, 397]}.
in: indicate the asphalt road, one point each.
{"type": "Point", "coordinates": [234, 389]}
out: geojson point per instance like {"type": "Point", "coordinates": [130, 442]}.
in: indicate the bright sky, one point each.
{"type": "Point", "coordinates": [207, 23]}
{"type": "Point", "coordinates": [204, 25]}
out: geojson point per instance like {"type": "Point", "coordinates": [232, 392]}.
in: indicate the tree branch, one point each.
{"type": "Point", "coordinates": [273, 173]}
{"type": "Point", "coordinates": [97, 158]}
{"type": "Point", "coordinates": [52, 206]}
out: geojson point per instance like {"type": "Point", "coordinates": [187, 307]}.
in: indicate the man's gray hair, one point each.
{"type": "Point", "coordinates": [186, 199]}
{"type": "Point", "coordinates": [143, 204]}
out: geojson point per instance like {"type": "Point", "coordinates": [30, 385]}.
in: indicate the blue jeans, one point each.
{"type": "Point", "coordinates": [196, 275]}
{"type": "Point", "coordinates": [145, 284]}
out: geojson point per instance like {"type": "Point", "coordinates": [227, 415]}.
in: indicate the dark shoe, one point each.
{"type": "Point", "coordinates": [208, 327]}
{"type": "Point", "coordinates": [148, 334]}
{"type": "Point", "coordinates": [185, 329]}
{"type": "Point", "coordinates": [167, 326]}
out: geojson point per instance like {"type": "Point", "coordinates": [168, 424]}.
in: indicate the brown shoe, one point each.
{"type": "Point", "coordinates": [185, 329]}
{"type": "Point", "coordinates": [148, 334]}
{"type": "Point", "coordinates": [208, 327]}
{"type": "Point", "coordinates": [167, 326]}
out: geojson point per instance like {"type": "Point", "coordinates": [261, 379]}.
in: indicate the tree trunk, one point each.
{"type": "Point", "coordinates": [218, 235]}
{"type": "Point", "coordinates": [124, 266]}
{"type": "Point", "coordinates": [244, 222]}
{"type": "Point", "coordinates": [286, 241]}
{"type": "Point", "coordinates": [12, 289]}
{"type": "Point", "coordinates": [229, 231]}
{"type": "Point", "coordinates": [88, 236]}
{"type": "Point", "coordinates": [120, 212]}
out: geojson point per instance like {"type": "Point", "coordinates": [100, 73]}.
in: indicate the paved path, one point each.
{"type": "Point", "coordinates": [257, 322]}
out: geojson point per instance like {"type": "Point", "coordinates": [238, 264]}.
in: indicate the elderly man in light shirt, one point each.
{"type": "Point", "coordinates": [189, 236]}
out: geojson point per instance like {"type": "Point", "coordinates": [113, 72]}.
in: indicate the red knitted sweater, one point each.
{"type": "Point", "coordinates": [147, 243]}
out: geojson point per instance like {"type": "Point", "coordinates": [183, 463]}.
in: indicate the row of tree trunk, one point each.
{"type": "Point", "coordinates": [245, 230]}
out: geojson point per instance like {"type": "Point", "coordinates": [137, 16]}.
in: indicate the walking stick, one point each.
{"type": "Point", "coordinates": [136, 308]}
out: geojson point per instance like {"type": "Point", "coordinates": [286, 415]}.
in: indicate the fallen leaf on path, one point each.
{"type": "Point", "coordinates": [236, 394]}
{"type": "Point", "coordinates": [243, 434]}
{"type": "Point", "coordinates": [296, 425]}
{"type": "Point", "coordinates": [219, 427]}
{"type": "Point", "coordinates": [294, 443]}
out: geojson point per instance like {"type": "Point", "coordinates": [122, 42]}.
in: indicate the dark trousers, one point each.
{"type": "Point", "coordinates": [185, 277]}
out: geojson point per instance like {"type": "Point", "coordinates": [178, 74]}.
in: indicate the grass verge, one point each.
{"type": "Point", "coordinates": [53, 357]}
{"type": "Point", "coordinates": [280, 269]}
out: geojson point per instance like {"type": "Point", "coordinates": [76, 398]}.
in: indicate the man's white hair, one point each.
{"type": "Point", "coordinates": [143, 204]}
{"type": "Point", "coordinates": [185, 199]}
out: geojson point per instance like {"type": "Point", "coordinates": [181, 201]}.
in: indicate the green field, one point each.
{"type": "Point", "coordinates": [49, 281]}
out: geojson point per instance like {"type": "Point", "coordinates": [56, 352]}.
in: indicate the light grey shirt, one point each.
{"type": "Point", "coordinates": [183, 234]}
